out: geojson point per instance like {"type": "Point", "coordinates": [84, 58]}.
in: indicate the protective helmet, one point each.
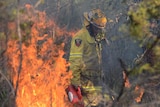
{"type": "Point", "coordinates": [95, 17]}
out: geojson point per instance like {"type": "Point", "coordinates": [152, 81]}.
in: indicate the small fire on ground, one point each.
{"type": "Point", "coordinates": [37, 67]}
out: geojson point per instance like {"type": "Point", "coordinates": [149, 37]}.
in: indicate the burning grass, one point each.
{"type": "Point", "coordinates": [38, 70]}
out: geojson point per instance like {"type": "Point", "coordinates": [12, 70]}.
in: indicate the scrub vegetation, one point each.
{"type": "Point", "coordinates": [132, 48]}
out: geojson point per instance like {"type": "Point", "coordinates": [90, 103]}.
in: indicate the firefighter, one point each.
{"type": "Point", "coordinates": [85, 58]}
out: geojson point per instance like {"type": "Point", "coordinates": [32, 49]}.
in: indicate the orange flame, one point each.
{"type": "Point", "coordinates": [140, 92]}
{"type": "Point", "coordinates": [42, 69]}
{"type": "Point", "coordinates": [126, 80]}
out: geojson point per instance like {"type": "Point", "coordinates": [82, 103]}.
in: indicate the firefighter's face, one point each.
{"type": "Point", "coordinates": [98, 33]}
{"type": "Point", "coordinates": [98, 30]}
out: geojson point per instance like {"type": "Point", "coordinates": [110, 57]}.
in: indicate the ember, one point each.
{"type": "Point", "coordinates": [140, 92]}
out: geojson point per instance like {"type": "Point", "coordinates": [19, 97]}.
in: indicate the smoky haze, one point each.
{"type": "Point", "coordinates": [68, 14]}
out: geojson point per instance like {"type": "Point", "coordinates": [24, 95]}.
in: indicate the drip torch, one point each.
{"type": "Point", "coordinates": [75, 95]}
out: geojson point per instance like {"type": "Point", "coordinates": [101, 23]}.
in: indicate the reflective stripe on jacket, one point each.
{"type": "Point", "coordinates": [83, 56]}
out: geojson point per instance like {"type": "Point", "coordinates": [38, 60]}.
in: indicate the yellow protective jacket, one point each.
{"type": "Point", "coordinates": [83, 57]}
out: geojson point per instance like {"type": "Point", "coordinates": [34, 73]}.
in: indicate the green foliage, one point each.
{"type": "Point", "coordinates": [157, 59]}
{"type": "Point", "coordinates": [3, 95]}
{"type": "Point", "coordinates": [140, 28]}
{"type": "Point", "coordinates": [157, 50]}
{"type": "Point", "coordinates": [140, 17]}
{"type": "Point", "coordinates": [7, 8]}
{"type": "Point", "coordinates": [2, 36]}
{"type": "Point", "coordinates": [14, 36]}
{"type": "Point", "coordinates": [26, 31]}
{"type": "Point", "coordinates": [143, 68]}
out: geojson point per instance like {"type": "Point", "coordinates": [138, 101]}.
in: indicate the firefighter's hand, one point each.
{"type": "Point", "coordinates": [78, 89]}
{"type": "Point", "coordinates": [76, 86]}
{"type": "Point", "coordinates": [83, 92]}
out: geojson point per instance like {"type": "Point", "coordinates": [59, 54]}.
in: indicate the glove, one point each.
{"type": "Point", "coordinates": [78, 90]}
{"type": "Point", "coordinates": [76, 87]}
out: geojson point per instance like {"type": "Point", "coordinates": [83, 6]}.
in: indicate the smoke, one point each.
{"type": "Point", "coordinates": [69, 14]}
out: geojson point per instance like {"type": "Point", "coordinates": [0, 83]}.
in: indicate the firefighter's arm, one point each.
{"type": "Point", "coordinates": [75, 59]}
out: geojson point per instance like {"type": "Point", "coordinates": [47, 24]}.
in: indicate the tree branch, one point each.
{"type": "Point", "coordinates": [20, 46]}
